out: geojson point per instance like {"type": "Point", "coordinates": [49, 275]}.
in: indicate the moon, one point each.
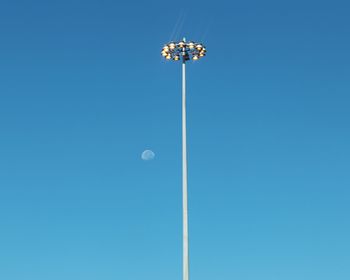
{"type": "Point", "coordinates": [147, 155]}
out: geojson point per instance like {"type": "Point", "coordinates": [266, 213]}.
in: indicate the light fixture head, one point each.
{"type": "Point", "coordinates": [183, 51]}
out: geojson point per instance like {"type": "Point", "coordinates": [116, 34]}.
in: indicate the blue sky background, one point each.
{"type": "Point", "coordinates": [83, 91]}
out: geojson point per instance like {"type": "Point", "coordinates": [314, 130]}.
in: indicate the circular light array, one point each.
{"type": "Point", "coordinates": [185, 50]}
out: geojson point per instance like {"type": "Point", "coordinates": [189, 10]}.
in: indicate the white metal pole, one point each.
{"type": "Point", "coordinates": [184, 177]}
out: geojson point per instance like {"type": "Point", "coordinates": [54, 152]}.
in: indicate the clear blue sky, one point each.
{"type": "Point", "coordinates": [83, 91]}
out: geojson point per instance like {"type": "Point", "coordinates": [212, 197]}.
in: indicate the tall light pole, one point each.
{"type": "Point", "coordinates": [184, 51]}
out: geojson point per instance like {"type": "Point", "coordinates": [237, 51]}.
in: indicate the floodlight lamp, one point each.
{"type": "Point", "coordinates": [181, 44]}
{"type": "Point", "coordinates": [172, 46]}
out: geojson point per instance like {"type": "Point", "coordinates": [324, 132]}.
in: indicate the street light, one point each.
{"type": "Point", "coordinates": [184, 51]}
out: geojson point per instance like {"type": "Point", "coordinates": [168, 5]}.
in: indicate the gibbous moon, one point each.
{"type": "Point", "coordinates": [147, 155]}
